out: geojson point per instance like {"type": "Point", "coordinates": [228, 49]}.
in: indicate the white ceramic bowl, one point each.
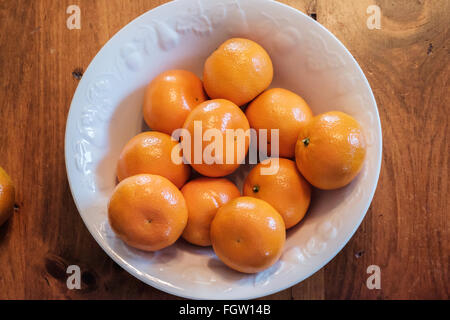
{"type": "Point", "coordinates": [106, 112]}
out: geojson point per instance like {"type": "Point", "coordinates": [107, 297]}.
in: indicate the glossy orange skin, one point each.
{"type": "Point", "coordinates": [170, 97]}
{"type": "Point", "coordinates": [330, 150]}
{"type": "Point", "coordinates": [283, 110]}
{"type": "Point", "coordinates": [7, 196]}
{"type": "Point", "coordinates": [150, 152]}
{"type": "Point", "coordinates": [248, 234]}
{"type": "Point", "coordinates": [204, 196]}
{"type": "Point", "coordinates": [217, 114]}
{"type": "Point", "coordinates": [147, 212]}
{"type": "Point", "coordinates": [238, 71]}
{"type": "Point", "coordinates": [287, 191]}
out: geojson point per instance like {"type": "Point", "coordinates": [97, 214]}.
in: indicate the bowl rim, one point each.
{"type": "Point", "coordinates": [172, 289]}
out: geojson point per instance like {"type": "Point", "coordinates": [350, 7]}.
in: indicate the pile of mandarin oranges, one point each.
{"type": "Point", "coordinates": [157, 201]}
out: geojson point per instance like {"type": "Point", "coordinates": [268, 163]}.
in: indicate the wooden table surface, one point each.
{"type": "Point", "coordinates": [405, 231]}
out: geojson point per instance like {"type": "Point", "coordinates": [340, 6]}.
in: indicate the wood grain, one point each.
{"type": "Point", "coordinates": [405, 231]}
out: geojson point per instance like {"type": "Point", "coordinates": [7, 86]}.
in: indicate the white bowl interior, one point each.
{"type": "Point", "coordinates": [106, 112]}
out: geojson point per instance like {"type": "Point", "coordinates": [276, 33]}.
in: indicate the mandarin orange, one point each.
{"type": "Point", "coordinates": [7, 196]}
{"type": "Point", "coordinates": [283, 110]}
{"type": "Point", "coordinates": [287, 191]}
{"type": "Point", "coordinates": [219, 155]}
{"type": "Point", "coordinates": [248, 234]}
{"type": "Point", "coordinates": [170, 97]}
{"type": "Point", "coordinates": [238, 71]}
{"type": "Point", "coordinates": [204, 196]}
{"type": "Point", "coordinates": [151, 152]}
{"type": "Point", "coordinates": [330, 150]}
{"type": "Point", "coordinates": [147, 212]}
